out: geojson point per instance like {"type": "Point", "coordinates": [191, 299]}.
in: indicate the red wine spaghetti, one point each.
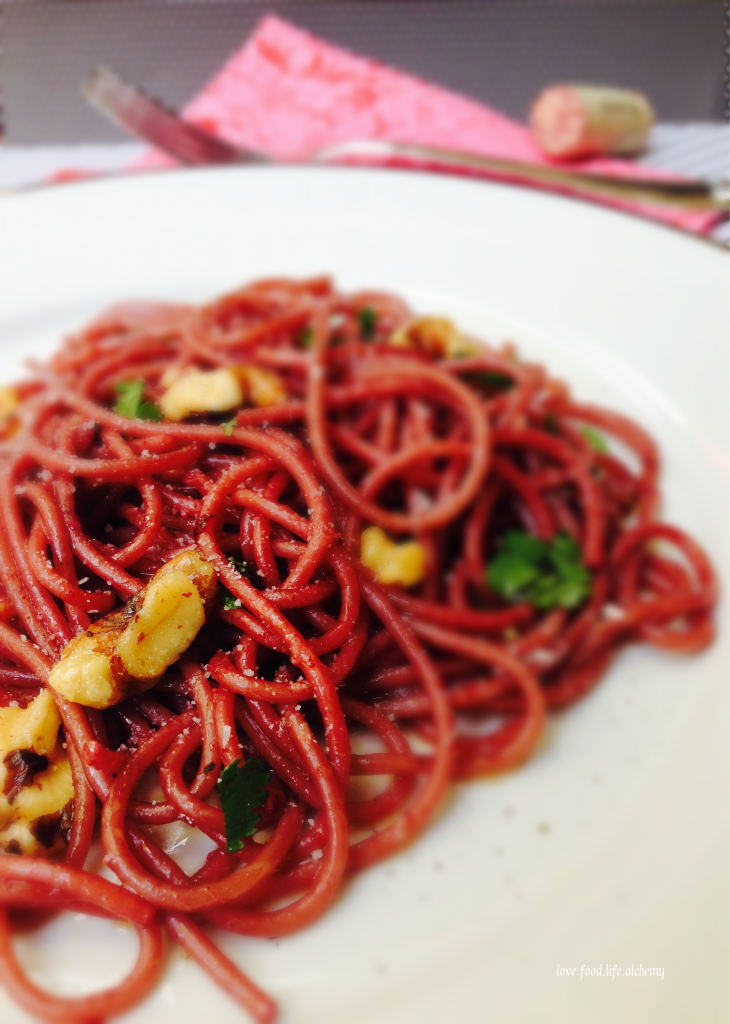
{"type": "Point", "coordinates": [235, 537]}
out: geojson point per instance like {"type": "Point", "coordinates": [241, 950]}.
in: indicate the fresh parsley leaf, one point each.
{"type": "Point", "coordinates": [130, 397]}
{"type": "Point", "coordinates": [241, 789]}
{"type": "Point", "coordinates": [368, 320]}
{"type": "Point", "coordinates": [150, 412]}
{"type": "Point", "coordinates": [241, 566]}
{"type": "Point", "coordinates": [130, 402]}
{"type": "Point", "coordinates": [550, 425]}
{"type": "Point", "coordinates": [546, 574]}
{"type": "Point", "coordinates": [525, 547]}
{"type": "Point", "coordinates": [493, 379]}
{"type": "Point", "coordinates": [230, 602]}
{"type": "Point", "coordinates": [509, 575]}
{"type": "Point", "coordinates": [595, 440]}
{"type": "Point", "coordinates": [228, 427]}
{"type": "Point", "coordinates": [563, 550]}
{"type": "Point", "coordinates": [306, 338]}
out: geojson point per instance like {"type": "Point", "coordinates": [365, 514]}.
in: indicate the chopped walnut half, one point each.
{"type": "Point", "coordinates": [124, 652]}
{"type": "Point", "coordinates": [437, 337]}
{"type": "Point", "coordinates": [36, 787]}
{"type": "Point", "coordinates": [403, 563]}
{"type": "Point", "coordinates": [201, 391]}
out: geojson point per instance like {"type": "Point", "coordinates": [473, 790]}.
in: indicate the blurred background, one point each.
{"type": "Point", "coordinates": [501, 52]}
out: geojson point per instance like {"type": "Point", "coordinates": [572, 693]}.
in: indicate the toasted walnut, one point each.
{"type": "Point", "coordinates": [197, 569]}
{"type": "Point", "coordinates": [52, 830]}
{"type": "Point", "coordinates": [201, 391]}
{"type": "Point", "coordinates": [261, 387]}
{"type": "Point", "coordinates": [21, 767]}
{"type": "Point", "coordinates": [35, 775]}
{"type": "Point", "coordinates": [164, 627]}
{"type": "Point", "coordinates": [9, 402]}
{"type": "Point", "coordinates": [435, 336]}
{"type": "Point", "coordinates": [51, 791]}
{"type": "Point", "coordinates": [32, 728]}
{"type": "Point", "coordinates": [391, 562]}
{"type": "Point", "coordinates": [88, 674]}
{"type": "Point", "coordinates": [126, 651]}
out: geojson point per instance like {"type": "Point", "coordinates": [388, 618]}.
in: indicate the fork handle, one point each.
{"type": "Point", "coordinates": [688, 194]}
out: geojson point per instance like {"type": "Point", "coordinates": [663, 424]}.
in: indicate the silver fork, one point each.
{"type": "Point", "coordinates": [149, 120]}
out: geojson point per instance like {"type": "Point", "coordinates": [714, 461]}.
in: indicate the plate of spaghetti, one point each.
{"type": "Point", "coordinates": [361, 544]}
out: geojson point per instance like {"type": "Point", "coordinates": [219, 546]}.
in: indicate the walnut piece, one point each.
{"type": "Point", "coordinates": [125, 652]}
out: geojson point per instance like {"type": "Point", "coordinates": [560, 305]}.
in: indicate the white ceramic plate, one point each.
{"type": "Point", "coordinates": [611, 846]}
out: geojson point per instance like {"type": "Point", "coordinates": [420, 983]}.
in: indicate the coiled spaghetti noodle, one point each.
{"type": "Point", "coordinates": [451, 448]}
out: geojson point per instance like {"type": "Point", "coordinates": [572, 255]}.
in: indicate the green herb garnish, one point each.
{"type": "Point", "coordinates": [550, 425]}
{"type": "Point", "coordinates": [229, 427]}
{"type": "Point", "coordinates": [230, 602]}
{"type": "Point", "coordinates": [595, 440]}
{"type": "Point", "coordinates": [493, 379]}
{"type": "Point", "coordinates": [130, 402]}
{"type": "Point", "coordinates": [306, 338]}
{"type": "Point", "coordinates": [241, 566]}
{"type": "Point", "coordinates": [368, 320]}
{"type": "Point", "coordinates": [241, 789]}
{"type": "Point", "coordinates": [546, 574]}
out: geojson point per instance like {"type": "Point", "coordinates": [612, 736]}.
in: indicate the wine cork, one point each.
{"type": "Point", "coordinates": [569, 121]}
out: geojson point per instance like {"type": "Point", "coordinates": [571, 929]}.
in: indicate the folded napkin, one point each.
{"type": "Point", "coordinates": [287, 93]}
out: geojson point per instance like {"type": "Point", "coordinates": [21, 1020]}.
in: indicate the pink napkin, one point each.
{"type": "Point", "coordinates": [288, 94]}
